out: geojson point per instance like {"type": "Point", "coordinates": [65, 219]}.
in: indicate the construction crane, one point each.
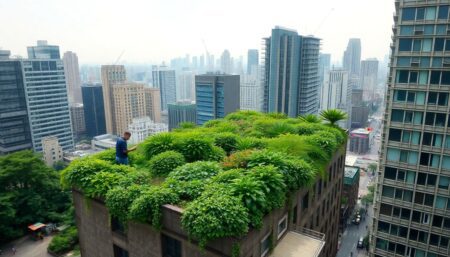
{"type": "Point", "coordinates": [120, 56]}
{"type": "Point", "coordinates": [323, 21]}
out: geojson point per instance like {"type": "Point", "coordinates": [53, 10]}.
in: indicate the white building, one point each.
{"type": "Point", "coordinates": [251, 93]}
{"type": "Point", "coordinates": [369, 78]}
{"type": "Point", "coordinates": [141, 128]}
{"type": "Point", "coordinates": [103, 142]}
{"type": "Point", "coordinates": [51, 150]}
{"type": "Point", "coordinates": [336, 92]}
{"type": "Point", "coordinates": [186, 86]}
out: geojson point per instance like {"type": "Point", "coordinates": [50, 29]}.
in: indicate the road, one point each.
{"type": "Point", "coordinates": [26, 247]}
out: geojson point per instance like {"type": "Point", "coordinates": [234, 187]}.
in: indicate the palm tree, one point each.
{"type": "Point", "coordinates": [372, 167]}
{"type": "Point", "coordinates": [310, 118]}
{"type": "Point", "coordinates": [333, 116]}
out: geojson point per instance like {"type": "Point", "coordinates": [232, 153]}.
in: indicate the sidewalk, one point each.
{"type": "Point", "coordinates": [25, 247]}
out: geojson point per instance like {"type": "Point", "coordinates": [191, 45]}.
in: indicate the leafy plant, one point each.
{"type": "Point", "coordinates": [157, 144]}
{"type": "Point", "coordinates": [227, 141]}
{"type": "Point", "coordinates": [119, 199]}
{"type": "Point", "coordinates": [310, 118]}
{"type": "Point", "coordinates": [163, 163]}
{"type": "Point", "coordinates": [194, 148]}
{"type": "Point", "coordinates": [333, 116]}
{"type": "Point", "coordinates": [194, 171]}
{"type": "Point", "coordinates": [64, 241]}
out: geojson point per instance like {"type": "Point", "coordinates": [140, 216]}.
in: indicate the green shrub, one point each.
{"type": "Point", "coordinates": [64, 241]}
{"type": "Point", "coordinates": [200, 170]}
{"type": "Point", "coordinates": [147, 207]}
{"type": "Point", "coordinates": [163, 163]}
{"type": "Point", "coordinates": [194, 148]}
{"type": "Point", "coordinates": [324, 140]}
{"type": "Point", "coordinates": [227, 141]}
{"type": "Point", "coordinates": [273, 127]}
{"type": "Point", "coordinates": [98, 184]}
{"type": "Point", "coordinates": [215, 215]}
{"type": "Point", "coordinates": [306, 128]}
{"type": "Point", "coordinates": [77, 172]}
{"type": "Point", "coordinates": [274, 187]}
{"type": "Point", "coordinates": [217, 154]}
{"type": "Point", "coordinates": [250, 143]}
{"type": "Point", "coordinates": [119, 200]}
{"type": "Point", "coordinates": [227, 176]}
{"type": "Point", "coordinates": [158, 143]}
{"type": "Point", "coordinates": [186, 190]}
{"type": "Point", "coordinates": [298, 174]}
{"type": "Point", "coordinates": [237, 160]}
{"type": "Point", "coordinates": [108, 155]}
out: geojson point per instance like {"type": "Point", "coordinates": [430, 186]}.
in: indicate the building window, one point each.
{"type": "Point", "coordinates": [282, 226]}
{"type": "Point", "coordinates": [171, 247]}
{"type": "Point", "coordinates": [294, 215]}
{"type": "Point", "coordinates": [265, 245]}
{"type": "Point", "coordinates": [119, 252]}
{"type": "Point", "coordinates": [117, 226]}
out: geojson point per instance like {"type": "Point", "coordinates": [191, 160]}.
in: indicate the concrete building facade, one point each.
{"type": "Point", "coordinates": [216, 96]}
{"type": "Point", "coordinates": [360, 140]}
{"type": "Point", "coordinates": [14, 125]}
{"type": "Point", "coordinates": [141, 128]}
{"type": "Point", "coordinates": [252, 61]}
{"type": "Point", "coordinates": [73, 79]}
{"type": "Point", "coordinates": [181, 112]}
{"type": "Point", "coordinates": [78, 120]}
{"type": "Point", "coordinates": [291, 73]}
{"type": "Point", "coordinates": [352, 58]}
{"type": "Point", "coordinates": [337, 94]}
{"type": "Point", "coordinates": [111, 74]}
{"type": "Point", "coordinates": [153, 103]}
{"type": "Point", "coordinates": [52, 151]}
{"type": "Point", "coordinates": [165, 79]}
{"type": "Point", "coordinates": [412, 203]}
{"type": "Point", "coordinates": [369, 78]}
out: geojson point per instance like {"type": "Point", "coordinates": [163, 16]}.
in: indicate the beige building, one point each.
{"type": "Point", "coordinates": [77, 116]}
{"type": "Point", "coordinates": [51, 150]}
{"type": "Point", "coordinates": [153, 104]}
{"type": "Point", "coordinates": [111, 74]}
{"type": "Point", "coordinates": [73, 81]}
{"type": "Point", "coordinates": [129, 103]}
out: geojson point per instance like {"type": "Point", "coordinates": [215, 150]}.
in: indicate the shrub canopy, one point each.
{"type": "Point", "coordinates": [226, 174]}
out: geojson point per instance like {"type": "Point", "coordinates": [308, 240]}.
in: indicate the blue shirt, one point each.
{"type": "Point", "coordinates": [121, 147]}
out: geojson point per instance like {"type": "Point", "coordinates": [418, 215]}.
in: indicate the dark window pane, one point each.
{"type": "Point", "coordinates": [439, 44]}
{"type": "Point", "coordinates": [170, 246]}
{"type": "Point", "coordinates": [432, 97]}
{"type": "Point", "coordinates": [437, 221]}
{"type": "Point", "coordinates": [427, 138]}
{"type": "Point", "coordinates": [429, 199]}
{"type": "Point", "coordinates": [431, 181]}
{"type": "Point", "coordinates": [416, 216]}
{"type": "Point", "coordinates": [402, 76]}
{"type": "Point", "coordinates": [443, 99]}
{"type": "Point", "coordinates": [401, 95]}
{"type": "Point", "coordinates": [406, 213]}
{"type": "Point", "coordinates": [420, 13]}
{"type": "Point", "coordinates": [395, 134]}
{"type": "Point", "coordinates": [401, 249]}
{"type": "Point", "coordinates": [418, 197]}
{"type": "Point", "coordinates": [386, 209]}
{"type": "Point", "coordinates": [447, 223]}
{"type": "Point", "coordinates": [408, 14]}
{"type": "Point", "coordinates": [429, 118]}
{"type": "Point", "coordinates": [440, 120]}
{"type": "Point", "coordinates": [413, 234]}
{"type": "Point", "coordinates": [405, 44]}
{"type": "Point", "coordinates": [119, 252]}
{"type": "Point", "coordinates": [424, 159]}
{"type": "Point", "coordinates": [417, 45]}
{"type": "Point", "coordinates": [434, 239]}
{"type": "Point", "coordinates": [435, 77]}
{"type": "Point", "coordinates": [445, 80]}
{"type": "Point", "coordinates": [411, 95]}
{"type": "Point", "coordinates": [421, 178]}
{"type": "Point", "coordinates": [397, 115]}
{"type": "Point", "coordinates": [443, 12]}
{"type": "Point", "coordinates": [447, 45]}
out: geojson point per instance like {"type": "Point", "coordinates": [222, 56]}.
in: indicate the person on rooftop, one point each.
{"type": "Point", "coordinates": [122, 149]}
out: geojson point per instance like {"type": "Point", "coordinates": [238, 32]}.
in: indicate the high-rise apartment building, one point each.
{"type": "Point", "coordinates": [14, 125]}
{"type": "Point", "coordinates": [111, 74]}
{"type": "Point", "coordinates": [73, 80]}
{"type": "Point", "coordinates": [324, 66]}
{"type": "Point", "coordinates": [78, 121]}
{"type": "Point", "coordinates": [46, 95]}
{"type": "Point", "coordinates": [181, 112]}
{"type": "Point", "coordinates": [251, 93]}
{"type": "Point", "coordinates": [52, 151]}
{"type": "Point", "coordinates": [141, 128]}
{"type": "Point", "coordinates": [360, 110]}
{"type": "Point", "coordinates": [186, 86]}
{"type": "Point", "coordinates": [368, 78]}
{"type": "Point", "coordinates": [225, 62]}
{"type": "Point", "coordinates": [252, 61]}
{"type": "Point", "coordinates": [216, 96]}
{"type": "Point", "coordinates": [129, 103]}
{"type": "Point", "coordinates": [352, 57]}
{"type": "Point", "coordinates": [153, 103]}
{"type": "Point", "coordinates": [165, 79]}
{"type": "Point", "coordinates": [94, 111]}
{"type": "Point", "coordinates": [291, 73]}
{"type": "Point", "coordinates": [337, 93]}
{"type": "Point", "coordinates": [412, 203]}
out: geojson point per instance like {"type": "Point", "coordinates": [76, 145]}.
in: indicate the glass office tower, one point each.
{"type": "Point", "coordinates": [412, 203]}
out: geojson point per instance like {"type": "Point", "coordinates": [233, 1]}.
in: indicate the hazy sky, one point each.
{"type": "Point", "coordinates": [154, 31]}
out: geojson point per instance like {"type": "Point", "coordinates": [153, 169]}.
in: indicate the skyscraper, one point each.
{"type": "Point", "coordinates": [352, 57]}
{"type": "Point", "coordinates": [153, 103]}
{"type": "Point", "coordinates": [164, 79]}
{"type": "Point", "coordinates": [181, 112]}
{"type": "Point", "coordinates": [252, 61]}
{"type": "Point", "coordinates": [111, 74]}
{"type": "Point", "coordinates": [78, 122]}
{"type": "Point", "coordinates": [412, 203]}
{"type": "Point", "coordinates": [14, 125]}
{"type": "Point", "coordinates": [225, 62]}
{"type": "Point", "coordinates": [251, 94]}
{"type": "Point", "coordinates": [369, 78]}
{"type": "Point", "coordinates": [291, 73]}
{"type": "Point", "coordinates": [336, 93]}
{"type": "Point", "coordinates": [46, 94]}
{"type": "Point", "coordinates": [73, 80]}
{"type": "Point", "coordinates": [216, 96]}
{"type": "Point", "coordinates": [324, 66]}
{"type": "Point", "coordinates": [94, 111]}
{"type": "Point", "coordinates": [186, 86]}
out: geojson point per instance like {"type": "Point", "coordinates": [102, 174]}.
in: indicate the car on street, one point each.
{"type": "Point", "coordinates": [360, 243]}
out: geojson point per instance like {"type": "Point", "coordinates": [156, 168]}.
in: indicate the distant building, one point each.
{"type": "Point", "coordinates": [129, 103]}
{"type": "Point", "coordinates": [141, 128]}
{"type": "Point", "coordinates": [216, 96]}
{"type": "Point", "coordinates": [103, 142]}
{"type": "Point", "coordinates": [52, 151]}
{"type": "Point", "coordinates": [360, 110]}
{"type": "Point", "coordinates": [251, 93]}
{"type": "Point", "coordinates": [94, 111]}
{"type": "Point", "coordinates": [369, 78]}
{"type": "Point", "coordinates": [186, 86]}
{"type": "Point", "coordinates": [153, 103]}
{"type": "Point", "coordinates": [181, 112]}
{"type": "Point", "coordinates": [46, 94]}
{"type": "Point", "coordinates": [291, 87]}
{"type": "Point", "coordinates": [111, 74]}
{"type": "Point", "coordinates": [252, 61]}
{"type": "Point", "coordinates": [324, 66]}
{"type": "Point", "coordinates": [165, 79]}
{"type": "Point", "coordinates": [352, 57]}
{"type": "Point", "coordinates": [225, 62]}
{"type": "Point", "coordinates": [14, 125]}
{"type": "Point", "coordinates": [336, 93]}
{"type": "Point", "coordinates": [350, 192]}
{"type": "Point", "coordinates": [360, 140]}
{"type": "Point", "coordinates": [73, 80]}
{"type": "Point", "coordinates": [78, 121]}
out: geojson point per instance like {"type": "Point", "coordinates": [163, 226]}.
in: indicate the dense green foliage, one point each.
{"type": "Point", "coordinates": [64, 241]}
{"type": "Point", "coordinates": [162, 164]}
{"type": "Point", "coordinates": [333, 116]}
{"type": "Point", "coordinates": [29, 193]}
{"type": "Point", "coordinates": [237, 170]}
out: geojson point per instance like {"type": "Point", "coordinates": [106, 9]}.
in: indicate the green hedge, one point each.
{"type": "Point", "coordinates": [64, 241]}
{"type": "Point", "coordinates": [163, 163]}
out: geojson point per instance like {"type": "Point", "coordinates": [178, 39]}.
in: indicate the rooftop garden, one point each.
{"type": "Point", "coordinates": [225, 175]}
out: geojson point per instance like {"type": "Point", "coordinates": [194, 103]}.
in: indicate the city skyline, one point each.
{"type": "Point", "coordinates": [41, 20]}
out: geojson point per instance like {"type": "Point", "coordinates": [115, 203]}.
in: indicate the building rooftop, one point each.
{"type": "Point", "coordinates": [296, 243]}
{"type": "Point", "coordinates": [202, 170]}
{"type": "Point", "coordinates": [364, 131]}
{"type": "Point", "coordinates": [350, 175]}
